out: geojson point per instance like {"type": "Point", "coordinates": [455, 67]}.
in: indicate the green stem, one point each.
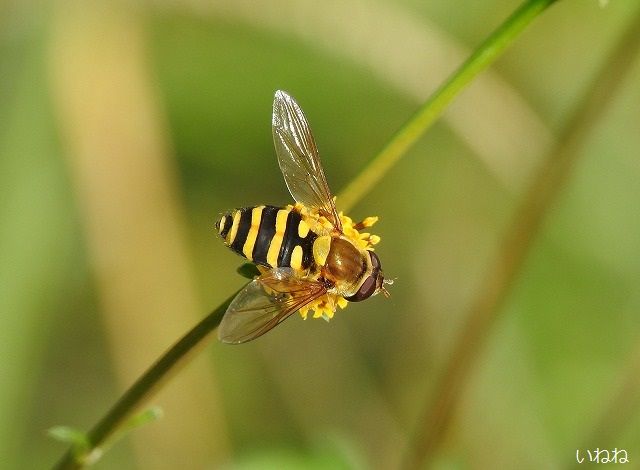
{"type": "Point", "coordinates": [145, 387]}
{"type": "Point", "coordinates": [528, 221]}
{"type": "Point", "coordinates": [409, 133]}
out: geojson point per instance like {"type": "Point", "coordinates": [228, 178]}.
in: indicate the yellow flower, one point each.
{"type": "Point", "coordinates": [325, 306]}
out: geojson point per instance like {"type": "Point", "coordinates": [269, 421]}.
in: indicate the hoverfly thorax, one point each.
{"type": "Point", "coordinates": [345, 263]}
{"type": "Point", "coordinates": [312, 258]}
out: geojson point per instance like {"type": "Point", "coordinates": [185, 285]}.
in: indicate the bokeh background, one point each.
{"type": "Point", "coordinates": [126, 128]}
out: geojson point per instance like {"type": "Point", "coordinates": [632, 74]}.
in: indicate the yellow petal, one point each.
{"type": "Point", "coordinates": [369, 221]}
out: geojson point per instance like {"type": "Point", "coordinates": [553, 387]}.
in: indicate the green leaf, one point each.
{"type": "Point", "coordinates": [78, 440]}
{"type": "Point", "coordinates": [145, 417]}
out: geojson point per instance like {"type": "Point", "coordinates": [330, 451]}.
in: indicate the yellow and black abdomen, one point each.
{"type": "Point", "coordinates": [268, 235]}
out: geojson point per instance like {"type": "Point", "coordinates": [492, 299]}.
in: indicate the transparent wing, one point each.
{"type": "Point", "coordinates": [298, 158]}
{"type": "Point", "coordinates": [264, 303]}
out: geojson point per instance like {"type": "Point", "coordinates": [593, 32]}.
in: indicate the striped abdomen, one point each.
{"type": "Point", "coordinates": [268, 235]}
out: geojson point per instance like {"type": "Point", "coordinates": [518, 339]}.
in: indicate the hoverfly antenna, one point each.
{"type": "Point", "coordinates": [385, 292]}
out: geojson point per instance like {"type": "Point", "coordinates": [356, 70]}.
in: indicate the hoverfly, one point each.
{"type": "Point", "coordinates": [310, 256]}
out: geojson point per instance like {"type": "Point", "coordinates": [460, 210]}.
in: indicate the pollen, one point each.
{"type": "Point", "coordinates": [326, 306]}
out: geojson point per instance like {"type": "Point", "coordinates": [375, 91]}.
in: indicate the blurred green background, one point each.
{"type": "Point", "coordinates": [126, 128]}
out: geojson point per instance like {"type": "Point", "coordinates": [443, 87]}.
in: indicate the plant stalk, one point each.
{"type": "Point", "coordinates": [415, 127]}
{"type": "Point", "coordinates": [528, 221]}
{"type": "Point", "coordinates": [146, 387]}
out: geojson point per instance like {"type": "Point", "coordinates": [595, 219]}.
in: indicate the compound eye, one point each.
{"type": "Point", "coordinates": [366, 290]}
{"type": "Point", "coordinates": [375, 261]}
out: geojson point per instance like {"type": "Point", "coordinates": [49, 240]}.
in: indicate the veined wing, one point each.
{"type": "Point", "coordinates": [266, 302]}
{"type": "Point", "coordinates": [298, 158]}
